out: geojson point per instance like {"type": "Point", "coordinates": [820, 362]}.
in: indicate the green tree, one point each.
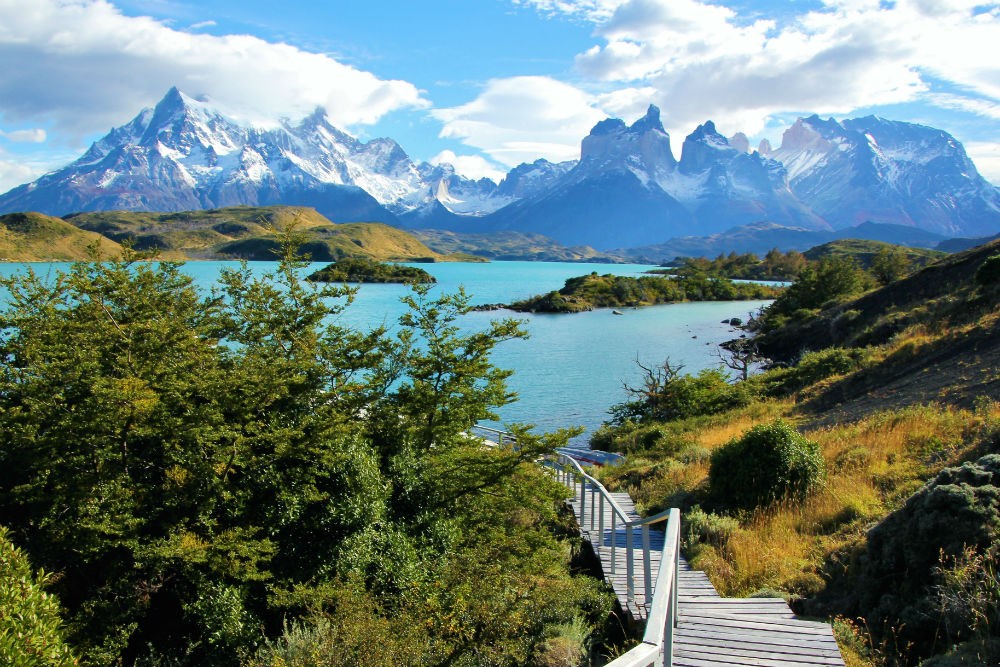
{"type": "Point", "coordinates": [201, 467]}
{"type": "Point", "coordinates": [829, 280]}
{"type": "Point", "coordinates": [890, 264]}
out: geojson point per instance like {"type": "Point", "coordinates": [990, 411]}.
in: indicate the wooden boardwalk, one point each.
{"type": "Point", "coordinates": [711, 630]}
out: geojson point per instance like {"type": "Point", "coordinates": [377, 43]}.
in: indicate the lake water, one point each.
{"type": "Point", "coordinates": [571, 369]}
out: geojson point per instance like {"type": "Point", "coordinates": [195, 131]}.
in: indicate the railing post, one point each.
{"type": "Point", "coordinates": [629, 567]}
{"type": "Point", "coordinates": [614, 539]}
{"type": "Point", "coordinates": [583, 501]}
{"type": "Point", "coordinates": [648, 578]}
{"type": "Point", "coordinates": [600, 520]}
{"type": "Point", "coordinates": [593, 505]}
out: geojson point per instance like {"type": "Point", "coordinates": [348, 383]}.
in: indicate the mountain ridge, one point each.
{"type": "Point", "coordinates": [626, 190]}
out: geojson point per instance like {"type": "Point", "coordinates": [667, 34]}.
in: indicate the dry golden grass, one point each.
{"type": "Point", "coordinates": [872, 467]}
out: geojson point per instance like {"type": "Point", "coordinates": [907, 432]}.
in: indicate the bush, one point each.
{"type": "Point", "coordinates": [707, 528]}
{"type": "Point", "coordinates": [927, 546]}
{"type": "Point", "coordinates": [767, 463]}
{"type": "Point", "coordinates": [667, 394]}
{"type": "Point", "coordinates": [30, 628]}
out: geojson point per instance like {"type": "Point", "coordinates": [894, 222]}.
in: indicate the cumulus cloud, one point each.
{"type": "Point", "coordinates": [700, 59]}
{"type": "Point", "coordinates": [83, 66]}
{"type": "Point", "coordinates": [520, 119]}
{"type": "Point", "coordinates": [31, 136]}
{"type": "Point", "coordinates": [986, 156]}
{"type": "Point", "coordinates": [470, 166]}
{"type": "Point", "coordinates": [14, 173]}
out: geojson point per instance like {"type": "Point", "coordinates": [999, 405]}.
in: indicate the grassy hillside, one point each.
{"type": "Point", "coordinates": [33, 237]}
{"type": "Point", "coordinates": [247, 232]}
{"type": "Point", "coordinates": [865, 252]}
{"type": "Point", "coordinates": [896, 387]}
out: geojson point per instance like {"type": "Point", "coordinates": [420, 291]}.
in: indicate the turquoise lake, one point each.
{"type": "Point", "coordinates": [571, 369]}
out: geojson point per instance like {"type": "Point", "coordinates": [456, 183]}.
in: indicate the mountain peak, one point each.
{"type": "Point", "coordinates": [651, 121]}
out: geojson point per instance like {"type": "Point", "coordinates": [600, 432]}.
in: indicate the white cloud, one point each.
{"type": "Point", "coordinates": [14, 173]}
{"type": "Point", "coordinates": [592, 10]}
{"type": "Point", "coordinates": [31, 136]}
{"type": "Point", "coordinates": [83, 66]}
{"type": "Point", "coordinates": [523, 118]}
{"type": "Point", "coordinates": [470, 166]}
{"type": "Point", "coordinates": [699, 60]}
{"type": "Point", "coordinates": [986, 156]}
{"type": "Point", "coordinates": [202, 24]}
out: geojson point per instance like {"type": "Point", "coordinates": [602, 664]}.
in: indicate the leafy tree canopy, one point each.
{"type": "Point", "coordinates": [204, 469]}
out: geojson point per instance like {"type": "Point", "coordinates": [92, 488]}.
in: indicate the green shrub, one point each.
{"type": "Point", "coordinates": [31, 633]}
{"type": "Point", "coordinates": [668, 394]}
{"type": "Point", "coordinates": [767, 463]}
{"type": "Point", "coordinates": [703, 527]}
{"type": "Point", "coordinates": [929, 564]}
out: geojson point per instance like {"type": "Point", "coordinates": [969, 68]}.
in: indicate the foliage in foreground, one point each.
{"type": "Point", "coordinates": [31, 632]}
{"type": "Point", "coordinates": [206, 471]}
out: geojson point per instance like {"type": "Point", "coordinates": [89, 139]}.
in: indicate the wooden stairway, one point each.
{"type": "Point", "coordinates": [710, 629]}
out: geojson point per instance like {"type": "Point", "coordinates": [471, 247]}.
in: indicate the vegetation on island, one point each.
{"type": "Point", "coordinates": [859, 475]}
{"type": "Point", "coordinates": [254, 233]}
{"type": "Point", "coordinates": [885, 261]}
{"type": "Point", "coordinates": [236, 478]}
{"type": "Point", "coordinates": [609, 291]}
{"type": "Point", "coordinates": [363, 270]}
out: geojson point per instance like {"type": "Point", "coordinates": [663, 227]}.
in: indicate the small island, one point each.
{"type": "Point", "coordinates": [364, 270]}
{"type": "Point", "coordinates": [592, 291]}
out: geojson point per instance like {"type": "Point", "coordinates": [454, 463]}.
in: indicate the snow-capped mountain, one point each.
{"type": "Point", "coordinates": [183, 155]}
{"type": "Point", "coordinates": [872, 169]}
{"type": "Point", "coordinates": [626, 190]}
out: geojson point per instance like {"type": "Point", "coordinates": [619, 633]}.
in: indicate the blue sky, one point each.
{"type": "Point", "coordinates": [487, 84]}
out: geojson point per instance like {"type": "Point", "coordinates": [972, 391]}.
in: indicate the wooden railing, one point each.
{"type": "Point", "coordinates": [656, 649]}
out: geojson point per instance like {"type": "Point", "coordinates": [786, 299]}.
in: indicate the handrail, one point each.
{"type": "Point", "coordinates": [656, 649]}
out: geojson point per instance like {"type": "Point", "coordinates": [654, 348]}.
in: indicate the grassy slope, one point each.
{"type": "Point", "coordinates": [33, 237]}
{"type": "Point", "coordinates": [921, 394]}
{"type": "Point", "coordinates": [864, 252]}
{"type": "Point", "coordinates": [249, 232]}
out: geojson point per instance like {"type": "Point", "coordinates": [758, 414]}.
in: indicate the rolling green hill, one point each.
{"type": "Point", "coordinates": [33, 237]}
{"type": "Point", "coordinates": [864, 252]}
{"type": "Point", "coordinates": [247, 232]}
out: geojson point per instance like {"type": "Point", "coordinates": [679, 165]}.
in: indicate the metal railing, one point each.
{"type": "Point", "coordinates": [492, 435]}
{"type": "Point", "coordinates": [656, 649]}
{"type": "Point", "coordinates": [657, 646]}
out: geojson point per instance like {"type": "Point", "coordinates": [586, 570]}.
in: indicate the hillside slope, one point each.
{"type": "Point", "coordinates": [249, 232]}
{"type": "Point", "coordinates": [33, 237]}
{"type": "Point", "coordinates": [888, 405]}
{"type": "Point", "coordinates": [939, 324]}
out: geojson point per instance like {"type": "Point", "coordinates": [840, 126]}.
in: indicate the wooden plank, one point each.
{"type": "Point", "coordinates": [712, 630]}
